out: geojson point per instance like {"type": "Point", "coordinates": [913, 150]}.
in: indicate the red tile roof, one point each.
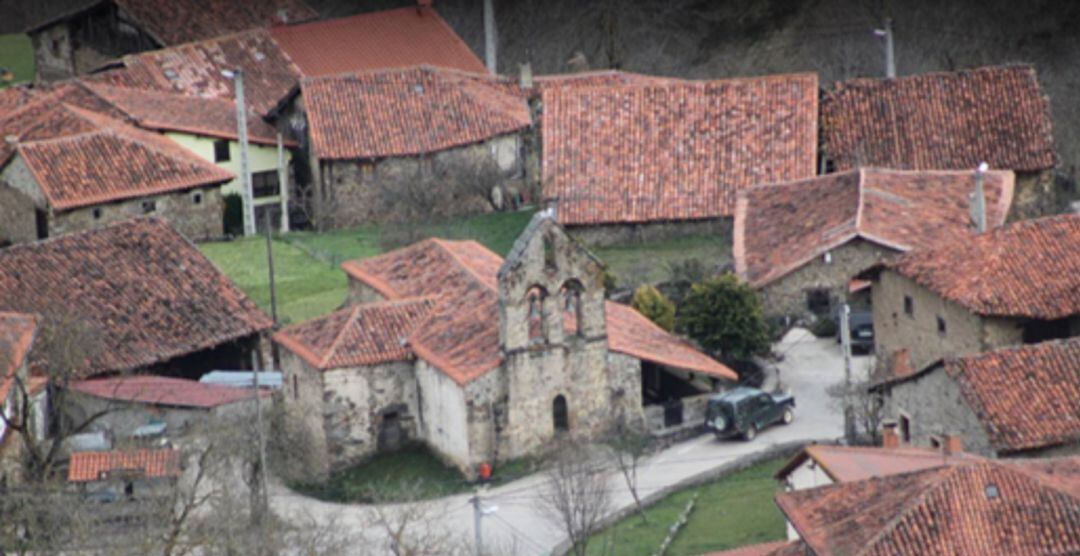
{"type": "Point", "coordinates": [385, 39]}
{"type": "Point", "coordinates": [763, 549]}
{"type": "Point", "coordinates": [675, 150]}
{"type": "Point", "coordinates": [167, 111]}
{"type": "Point", "coordinates": [112, 161]}
{"type": "Point", "coordinates": [16, 336]}
{"type": "Point", "coordinates": [148, 292]}
{"type": "Point", "coordinates": [408, 112]}
{"type": "Point", "coordinates": [941, 121]}
{"type": "Point", "coordinates": [95, 466]}
{"type": "Point", "coordinates": [161, 390]}
{"type": "Point", "coordinates": [844, 464]}
{"type": "Point", "coordinates": [195, 69]}
{"type": "Point", "coordinates": [984, 507]}
{"type": "Point", "coordinates": [461, 336]}
{"type": "Point", "coordinates": [12, 98]}
{"type": "Point", "coordinates": [171, 22]}
{"type": "Point", "coordinates": [357, 336]}
{"type": "Point", "coordinates": [1027, 397]}
{"type": "Point", "coordinates": [591, 79]}
{"type": "Point", "coordinates": [1026, 269]}
{"type": "Point", "coordinates": [781, 227]}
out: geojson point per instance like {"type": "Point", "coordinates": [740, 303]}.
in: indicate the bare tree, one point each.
{"type": "Point", "coordinates": [866, 406]}
{"type": "Point", "coordinates": [575, 495]}
{"type": "Point", "coordinates": [629, 445]}
{"type": "Point", "coordinates": [413, 528]}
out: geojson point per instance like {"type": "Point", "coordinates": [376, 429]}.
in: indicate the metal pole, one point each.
{"type": "Point", "coordinates": [245, 169]}
{"type": "Point", "coordinates": [845, 341]}
{"type": "Point", "coordinates": [890, 59]}
{"type": "Point", "coordinates": [491, 36]}
{"type": "Point", "coordinates": [477, 515]}
{"type": "Point", "coordinates": [270, 269]}
{"type": "Point", "coordinates": [283, 185]}
{"type": "Point", "coordinates": [979, 202]}
{"type": "Point", "coordinates": [264, 498]}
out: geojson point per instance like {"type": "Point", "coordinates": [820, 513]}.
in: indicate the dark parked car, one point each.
{"type": "Point", "coordinates": [744, 411]}
{"type": "Point", "coordinates": [861, 324]}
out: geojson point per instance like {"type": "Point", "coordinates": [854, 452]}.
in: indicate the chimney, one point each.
{"type": "Point", "coordinates": [953, 444]}
{"type": "Point", "coordinates": [978, 200]}
{"type": "Point", "coordinates": [11, 139]}
{"type": "Point", "coordinates": [890, 438]}
{"type": "Point", "coordinates": [526, 76]}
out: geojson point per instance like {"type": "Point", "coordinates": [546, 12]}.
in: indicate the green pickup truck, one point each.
{"type": "Point", "coordinates": [744, 411]}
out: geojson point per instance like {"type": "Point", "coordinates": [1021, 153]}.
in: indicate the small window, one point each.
{"type": "Point", "coordinates": [149, 206]}
{"type": "Point", "coordinates": [560, 414]}
{"type": "Point", "coordinates": [221, 151]}
{"type": "Point", "coordinates": [96, 213]}
{"type": "Point", "coordinates": [295, 388]}
{"type": "Point", "coordinates": [935, 442]}
{"type": "Point", "coordinates": [818, 301]}
{"type": "Point", "coordinates": [940, 326]}
{"type": "Point", "coordinates": [549, 252]}
{"type": "Point", "coordinates": [55, 46]}
{"type": "Point", "coordinates": [196, 199]}
{"type": "Point", "coordinates": [909, 306]}
{"type": "Point", "coordinates": [905, 428]}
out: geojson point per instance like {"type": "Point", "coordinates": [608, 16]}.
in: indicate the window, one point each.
{"type": "Point", "coordinates": [909, 306]}
{"type": "Point", "coordinates": [905, 428]}
{"type": "Point", "coordinates": [196, 198]}
{"type": "Point", "coordinates": [265, 184]}
{"type": "Point", "coordinates": [571, 291]}
{"type": "Point", "coordinates": [560, 414]}
{"type": "Point", "coordinates": [940, 326]}
{"type": "Point", "coordinates": [41, 222]}
{"type": "Point", "coordinates": [818, 301]}
{"type": "Point", "coordinates": [221, 151]}
{"type": "Point", "coordinates": [96, 213]}
{"type": "Point", "coordinates": [535, 319]}
{"type": "Point", "coordinates": [295, 388]}
{"type": "Point", "coordinates": [149, 206]}
{"type": "Point", "coordinates": [55, 47]}
{"type": "Point", "coordinates": [549, 252]}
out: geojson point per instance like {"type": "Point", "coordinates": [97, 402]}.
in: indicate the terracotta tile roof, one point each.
{"type": "Point", "coordinates": [781, 227]}
{"type": "Point", "coordinates": [675, 150]}
{"type": "Point", "coordinates": [407, 112]}
{"type": "Point", "coordinates": [984, 507]}
{"type": "Point", "coordinates": [941, 121]}
{"type": "Point", "coordinates": [195, 69]}
{"type": "Point", "coordinates": [12, 98]}
{"type": "Point", "coordinates": [148, 292]}
{"type": "Point", "coordinates": [592, 79]}
{"type": "Point", "coordinates": [763, 549]}
{"type": "Point", "coordinates": [1026, 269]}
{"type": "Point", "coordinates": [384, 39]}
{"type": "Point", "coordinates": [356, 336]}
{"type": "Point", "coordinates": [16, 336]}
{"type": "Point", "coordinates": [171, 22]}
{"type": "Point", "coordinates": [168, 111]}
{"type": "Point", "coordinates": [1027, 397]}
{"type": "Point", "coordinates": [95, 466]}
{"type": "Point", "coordinates": [461, 336]}
{"type": "Point", "coordinates": [161, 390]}
{"type": "Point", "coordinates": [844, 464]}
{"type": "Point", "coordinates": [112, 161]}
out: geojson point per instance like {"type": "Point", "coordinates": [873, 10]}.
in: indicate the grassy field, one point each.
{"type": "Point", "coordinates": [310, 282]}
{"type": "Point", "coordinates": [17, 55]}
{"type": "Point", "coordinates": [412, 473]}
{"type": "Point", "coordinates": [734, 511]}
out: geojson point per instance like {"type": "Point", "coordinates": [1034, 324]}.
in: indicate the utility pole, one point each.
{"type": "Point", "coordinates": [283, 185]}
{"type": "Point", "coordinates": [978, 201]}
{"type": "Point", "coordinates": [237, 76]}
{"type": "Point", "coordinates": [478, 514]}
{"type": "Point", "coordinates": [890, 59]}
{"type": "Point", "coordinates": [845, 342]}
{"type": "Point", "coordinates": [270, 269]}
{"type": "Point", "coordinates": [491, 37]}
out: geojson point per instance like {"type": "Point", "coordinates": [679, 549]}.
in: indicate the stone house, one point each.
{"type": "Point", "coordinates": [155, 303]}
{"type": "Point", "coordinates": [800, 243]}
{"type": "Point", "coordinates": [482, 359]}
{"type": "Point", "coordinates": [147, 406]}
{"type": "Point", "coordinates": [65, 169]}
{"type": "Point", "coordinates": [972, 506]}
{"type": "Point", "coordinates": [1016, 401]}
{"type": "Point", "coordinates": [947, 121]}
{"type": "Point", "coordinates": [119, 475]}
{"type": "Point", "coordinates": [368, 136]}
{"type": "Point", "coordinates": [1016, 284]}
{"type": "Point", "coordinates": [79, 41]}
{"type": "Point", "coordinates": [666, 157]}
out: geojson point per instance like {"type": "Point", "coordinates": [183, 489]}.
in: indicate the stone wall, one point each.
{"type": "Point", "coordinates": [197, 221]}
{"type": "Point", "coordinates": [606, 235]}
{"type": "Point", "coordinates": [361, 293]}
{"type": "Point", "coordinates": [304, 426]}
{"type": "Point", "coordinates": [934, 406]}
{"type": "Point", "coordinates": [443, 415]}
{"type": "Point", "coordinates": [122, 418]}
{"type": "Point", "coordinates": [787, 295]}
{"type": "Point", "coordinates": [53, 57]}
{"type": "Point", "coordinates": [352, 187]}
{"type": "Point", "coordinates": [1033, 196]}
{"type": "Point", "coordinates": [965, 332]}
{"type": "Point", "coordinates": [17, 224]}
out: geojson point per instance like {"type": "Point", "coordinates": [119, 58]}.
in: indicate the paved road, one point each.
{"type": "Point", "coordinates": [810, 365]}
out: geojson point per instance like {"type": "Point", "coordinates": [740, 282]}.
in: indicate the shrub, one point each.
{"type": "Point", "coordinates": [650, 302]}
{"type": "Point", "coordinates": [687, 270]}
{"type": "Point", "coordinates": [234, 214]}
{"type": "Point", "coordinates": [725, 316]}
{"type": "Point", "coordinates": [824, 327]}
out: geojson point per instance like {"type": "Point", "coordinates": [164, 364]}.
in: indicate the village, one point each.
{"type": "Point", "coordinates": [392, 278]}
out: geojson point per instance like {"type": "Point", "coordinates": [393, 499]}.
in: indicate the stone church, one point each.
{"type": "Point", "coordinates": [482, 359]}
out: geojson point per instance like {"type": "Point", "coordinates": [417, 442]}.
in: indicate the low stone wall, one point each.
{"type": "Point", "coordinates": [693, 416]}
{"type": "Point", "coordinates": [606, 235]}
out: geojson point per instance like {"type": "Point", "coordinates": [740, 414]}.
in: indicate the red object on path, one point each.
{"type": "Point", "coordinates": [485, 471]}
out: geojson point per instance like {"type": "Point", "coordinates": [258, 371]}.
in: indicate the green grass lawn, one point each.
{"type": "Point", "coordinates": [412, 473]}
{"type": "Point", "coordinates": [17, 55]}
{"type": "Point", "coordinates": [734, 511]}
{"type": "Point", "coordinates": [637, 264]}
